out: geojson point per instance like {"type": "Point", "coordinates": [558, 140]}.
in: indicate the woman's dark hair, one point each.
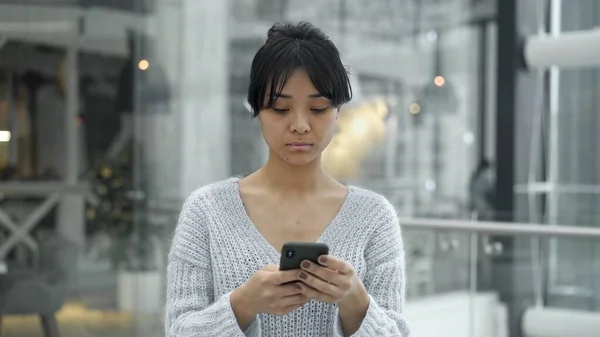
{"type": "Point", "coordinates": [292, 46]}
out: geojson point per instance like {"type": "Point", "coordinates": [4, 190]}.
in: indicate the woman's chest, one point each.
{"type": "Point", "coordinates": [278, 225]}
{"type": "Point", "coordinates": [238, 256]}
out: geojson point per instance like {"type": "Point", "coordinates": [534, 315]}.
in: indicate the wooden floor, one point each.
{"type": "Point", "coordinates": [75, 320]}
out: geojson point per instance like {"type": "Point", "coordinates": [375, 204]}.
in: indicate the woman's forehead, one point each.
{"type": "Point", "coordinates": [297, 85]}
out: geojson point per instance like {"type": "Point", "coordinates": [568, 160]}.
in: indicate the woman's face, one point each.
{"type": "Point", "coordinates": [301, 122]}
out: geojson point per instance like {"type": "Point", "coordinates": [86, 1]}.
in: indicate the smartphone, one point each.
{"type": "Point", "coordinates": [293, 253]}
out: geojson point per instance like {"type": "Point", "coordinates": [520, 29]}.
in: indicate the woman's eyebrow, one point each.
{"type": "Point", "coordinates": [282, 95]}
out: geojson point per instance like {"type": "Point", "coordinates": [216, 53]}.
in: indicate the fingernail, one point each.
{"type": "Point", "coordinates": [322, 259]}
{"type": "Point", "coordinates": [305, 265]}
{"type": "Point", "coordinates": [298, 286]}
{"type": "Point", "coordinates": [302, 275]}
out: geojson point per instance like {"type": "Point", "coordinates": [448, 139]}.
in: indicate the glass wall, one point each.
{"type": "Point", "coordinates": [556, 133]}
{"type": "Point", "coordinates": [576, 197]}
{"type": "Point", "coordinates": [113, 112]}
{"type": "Point", "coordinates": [90, 163]}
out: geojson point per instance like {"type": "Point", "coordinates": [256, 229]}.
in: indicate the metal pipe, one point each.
{"type": "Point", "coordinates": [537, 271]}
{"type": "Point", "coordinates": [72, 111]}
{"type": "Point", "coordinates": [501, 228]}
{"type": "Point", "coordinates": [577, 49]}
{"type": "Point", "coordinates": [547, 187]}
{"type": "Point", "coordinates": [482, 71]}
{"type": "Point", "coordinates": [71, 210]}
{"type": "Point", "coordinates": [473, 280]}
{"type": "Point", "coordinates": [554, 157]}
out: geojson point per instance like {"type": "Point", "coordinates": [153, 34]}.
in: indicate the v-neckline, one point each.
{"type": "Point", "coordinates": [243, 214]}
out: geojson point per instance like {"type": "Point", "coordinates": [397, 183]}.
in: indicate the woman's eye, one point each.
{"type": "Point", "coordinates": [320, 109]}
{"type": "Point", "coordinates": [280, 111]}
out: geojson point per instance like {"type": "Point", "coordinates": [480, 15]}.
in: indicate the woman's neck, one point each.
{"type": "Point", "coordinates": [284, 177]}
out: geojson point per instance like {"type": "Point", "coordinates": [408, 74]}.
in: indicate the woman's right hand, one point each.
{"type": "Point", "coordinates": [268, 291]}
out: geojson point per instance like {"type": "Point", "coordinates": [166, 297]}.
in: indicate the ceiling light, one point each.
{"type": "Point", "coordinates": [144, 64]}
{"type": "Point", "coordinates": [4, 136]}
{"type": "Point", "coordinates": [439, 81]}
{"type": "Point", "coordinates": [415, 109]}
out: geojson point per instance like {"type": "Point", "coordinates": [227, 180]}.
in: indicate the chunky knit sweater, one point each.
{"type": "Point", "coordinates": [216, 248]}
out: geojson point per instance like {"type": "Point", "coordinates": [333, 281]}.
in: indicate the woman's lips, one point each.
{"type": "Point", "coordinates": [299, 146]}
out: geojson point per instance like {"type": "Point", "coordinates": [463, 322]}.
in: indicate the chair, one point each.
{"type": "Point", "coordinates": [41, 292]}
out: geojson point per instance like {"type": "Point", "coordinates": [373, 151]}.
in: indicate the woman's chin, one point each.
{"type": "Point", "coordinates": [298, 159]}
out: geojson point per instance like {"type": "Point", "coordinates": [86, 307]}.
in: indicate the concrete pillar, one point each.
{"type": "Point", "coordinates": [187, 144]}
{"type": "Point", "coordinates": [205, 131]}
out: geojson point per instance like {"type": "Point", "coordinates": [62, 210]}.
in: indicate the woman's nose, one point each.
{"type": "Point", "coordinates": [299, 123]}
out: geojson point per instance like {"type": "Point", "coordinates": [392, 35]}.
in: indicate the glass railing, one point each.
{"type": "Point", "coordinates": [464, 278]}
{"type": "Point", "coordinates": [477, 279]}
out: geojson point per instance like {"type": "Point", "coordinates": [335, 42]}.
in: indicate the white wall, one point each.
{"type": "Point", "coordinates": [452, 314]}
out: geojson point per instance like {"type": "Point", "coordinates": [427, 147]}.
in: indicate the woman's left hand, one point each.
{"type": "Point", "coordinates": [333, 281]}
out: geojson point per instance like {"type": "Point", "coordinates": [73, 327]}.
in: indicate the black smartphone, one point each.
{"type": "Point", "coordinates": [293, 253]}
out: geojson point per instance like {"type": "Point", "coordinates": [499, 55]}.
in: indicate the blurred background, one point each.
{"type": "Point", "coordinates": [477, 119]}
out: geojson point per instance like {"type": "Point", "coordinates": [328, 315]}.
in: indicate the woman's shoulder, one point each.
{"type": "Point", "coordinates": [372, 217]}
{"type": "Point", "coordinates": [210, 199]}
{"type": "Point", "coordinates": [213, 192]}
{"type": "Point", "coordinates": [195, 222]}
{"type": "Point", "coordinates": [365, 200]}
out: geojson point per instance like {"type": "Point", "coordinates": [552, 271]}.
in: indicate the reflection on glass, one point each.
{"type": "Point", "coordinates": [156, 96]}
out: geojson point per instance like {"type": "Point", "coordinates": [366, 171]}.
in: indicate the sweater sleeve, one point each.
{"type": "Point", "coordinates": [191, 309]}
{"type": "Point", "coordinates": [384, 281]}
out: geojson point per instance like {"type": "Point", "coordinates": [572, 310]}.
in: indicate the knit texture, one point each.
{"type": "Point", "coordinates": [216, 248]}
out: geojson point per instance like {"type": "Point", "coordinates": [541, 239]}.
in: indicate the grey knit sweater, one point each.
{"type": "Point", "coordinates": [216, 248]}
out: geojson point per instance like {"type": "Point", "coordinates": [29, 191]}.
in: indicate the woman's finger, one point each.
{"type": "Point", "coordinates": [297, 299]}
{"type": "Point", "coordinates": [324, 273]}
{"type": "Point", "coordinates": [283, 277]}
{"type": "Point", "coordinates": [315, 294]}
{"type": "Point", "coordinates": [336, 264]}
{"type": "Point", "coordinates": [286, 290]}
{"type": "Point", "coordinates": [319, 284]}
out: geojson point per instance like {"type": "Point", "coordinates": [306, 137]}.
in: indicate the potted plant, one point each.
{"type": "Point", "coordinates": [122, 213]}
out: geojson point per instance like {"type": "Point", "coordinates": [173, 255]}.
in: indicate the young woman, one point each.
{"type": "Point", "coordinates": [223, 275]}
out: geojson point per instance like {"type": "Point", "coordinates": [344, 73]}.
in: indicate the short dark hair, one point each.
{"type": "Point", "coordinates": [292, 46]}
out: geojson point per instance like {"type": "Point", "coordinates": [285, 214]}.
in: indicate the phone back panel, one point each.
{"type": "Point", "coordinates": [293, 253]}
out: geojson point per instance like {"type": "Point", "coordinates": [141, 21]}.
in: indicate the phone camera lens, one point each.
{"type": "Point", "coordinates": [289, 253]}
